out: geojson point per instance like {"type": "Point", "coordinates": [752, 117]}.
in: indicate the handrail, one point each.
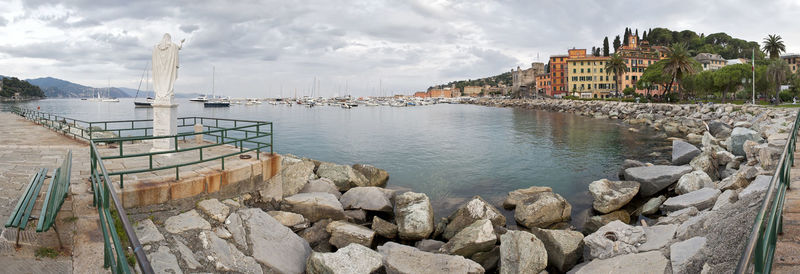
{"type": "Point", "coordinates": [760, 248]}
{"type": "Point", "coordinates": [114, 252]}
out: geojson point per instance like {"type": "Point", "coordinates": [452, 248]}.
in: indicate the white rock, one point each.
{"type": "Point", "coordinates": [354, 258]}
{"type": "Point", "coordinates": [614, 239]}
{"type": "Point", "coordinates": [658, 237]}
{"type": "Point", "coordinates": [214, 209]}
{"type": "Point", "coordinates": [686, 256]}
{"type": "Point", "coordinates": [186, 221]}
{"type": "Point", "coordinates": [147, 232]}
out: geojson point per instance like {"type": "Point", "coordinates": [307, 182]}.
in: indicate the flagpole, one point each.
{"type": "Point", "coordinates": [753, 64]}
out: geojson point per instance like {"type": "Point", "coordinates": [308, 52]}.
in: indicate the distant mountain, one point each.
{"type": "Point", "coordinates": [57, 88]}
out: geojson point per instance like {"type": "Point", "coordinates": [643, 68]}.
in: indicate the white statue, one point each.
{"type": "Point", "coordinates": [165, 69]}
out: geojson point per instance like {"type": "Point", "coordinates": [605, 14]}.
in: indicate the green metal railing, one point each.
{"type": "Point", "coordinates": [760, 248]}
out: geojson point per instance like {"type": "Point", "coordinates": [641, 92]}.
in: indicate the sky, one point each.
{"type": "Point", "coordinates": [373, 47]}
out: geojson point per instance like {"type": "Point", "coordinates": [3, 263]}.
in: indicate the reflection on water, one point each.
{"type": "Point", "coordinates": [450, 152]}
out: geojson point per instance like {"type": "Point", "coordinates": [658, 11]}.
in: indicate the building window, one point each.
{"type": "Point", "coordinates": [601, 70]}
{"type": "Point", "coordinates": [626, 77]}
{"type": "Point", "coordinates": [574, 71]}
{"type": "Point", "coordinates": [581, 70]}
{"type": "Point", "coordinates": [574, 86]}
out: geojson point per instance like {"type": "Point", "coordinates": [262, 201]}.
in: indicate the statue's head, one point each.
{"type": "Point", "coordinates": [165, 43]}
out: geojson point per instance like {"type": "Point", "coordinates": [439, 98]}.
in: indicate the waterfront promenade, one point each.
{"type": "Point", "coordinates": [787, 252]}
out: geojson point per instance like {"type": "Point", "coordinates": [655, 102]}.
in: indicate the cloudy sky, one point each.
{"type": "Point", "coordinates": [268, 48]}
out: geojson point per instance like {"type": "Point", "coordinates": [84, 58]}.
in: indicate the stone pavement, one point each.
{"type": "Point", "coordinates": [25, 148]}
{"type": "Point", "coordinates": [787, 251]}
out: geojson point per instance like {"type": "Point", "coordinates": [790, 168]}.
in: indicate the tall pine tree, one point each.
{"type": "Point", "coordinates": [605, 47]}
{"type": "Point", "coordinates": [617, 43]}
{"type": "Point", "coordinates": [637, 34]}
{"type": "Point", "coordinates": [625, 36]}
{"type": "Point", "coordinates": [644, 35]}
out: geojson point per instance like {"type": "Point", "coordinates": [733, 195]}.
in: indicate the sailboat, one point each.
{"type": "Point", "coordinates": [149, 101]}
{"type": "Point", "coordinates": [108, 92]}
{"type": "Point", "coordinates": [215, 102]}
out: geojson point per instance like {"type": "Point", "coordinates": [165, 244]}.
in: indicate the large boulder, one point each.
{"type": "Point", "coordinates": [758, 186]}
{"type": "Point", "coordinates": [368, 198]}
{"type": "Point", "coordinates": [700, 199]}
{"type": "Point", "coordinates": [738, 136]}
{"type": "Point", "coordinates": [658, 237]}
{"type": "Point", "coordinates": [321, 185]}
{"type": "Point", "coordinates": [274, 245]}
{"type": "Point", "coordinates": [614, 239]}
{"type": "Point", "coordinates": [314, 206]}
{"type": "Point", "coordinates": [612, 195]}
{"type": "Point", "coordinates": [687, 256]}
{"type": "Point", "coordinates": [516, 196]}
{"type": "Point", "coordinates": [477, 237]}
{"type": "Point", "coordinates": [683, 152]}
{"type": "Point", "coordinates": [318, 236]}
{"type": "Point", "coordinates": [384, 228]}
{"type": "Point", "coordinates": [375, 176]}
{"type": "Point", "coordinates": [344, 176]}
{"type": "Point", "coordinates": [398, 258]}
{"type": "Point", "coordinates": [596, 222]}
{"type": "Point", "coordinates": [521, 252]}
{"type": "Point", "coordinates": [564, 247]}
{"type": "Point", "coordinates": [628, 163]}
{"type": "Point", "coordinates": [291, 220]}
{"type": "Point", "coordinates": [693, 181]}
{"type": "Point", "coordinates": [344, 233]}
{"type": "Point", "coordinates": [294, 177]}
{"type": "Point", "coordinates": [647, 262]}
{"type": "Point", "coordinates": [227, 258]}
{"type": "Point", "coordinates": [707, 162]}
{"type": "Point", "coordinates": [476, 209]}
{"type": "Point", "coordinates": [414, 216]}
{"type": "Point", "coordinates": [353, 258]}
{"type": "Point", "coordinates": [542, 210]}
{"type": "Point", "coordinates": [719, 129]}
{"type": "Point", "coordinates": [652, 205]}
{"type": "Point", "coordinates": [655, 178]}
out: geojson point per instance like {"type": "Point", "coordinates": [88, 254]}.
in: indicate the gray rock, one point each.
{"type": "Point", "coordinates": [214, 209]}
{"type": "Point", "coordinates": [542, 210]}
{"type": "Point", "coordinates": [694, 226]}
{"type": "Point", "coordinates": [375, 176]}
{"type": "Point", "coordinates": [735, 181]}
{"type": "Point", "coordinates": [719, 129]}
{"type": "Point", "coordinates": [399, 258]}
{"type": "Point", "coordinates": [414, 216]}
{"type": "Point", "coordinates": [429, 245]}
{"type": "Point", "coordinates": [658, 237]}
{"type": "Point", "coordinates": [384, 228]}
{"type": "Point", "coordinates": [700, 199]}
{"type": "Point", "coordinates": [683, 152]}
{"type": "Point", "coordinates": [321, 185]}
{"type": "Point", "coordinates": [147, 232]}
{"type": "Point", "coordinates": [727, 198]}
{"type": "Point", "coordinates": [274, 245]}
{"type": "Point", "coordinates": [163, 261]}
{"type": "Point", "coordinates": [652, 205]}
{"type": "Point", "coordinates": [687, 256]}
{"type": "Point", "coordinates": [354, 258]}
{"type": "Point", "coordinates": [693, 181]}
{"type": "Point", "coordinates": [517, 196]}
{"type": "Point", "coordinates": [628, 163]}
{"type": "Point", "coordinates": [647, 262]}
{"type": "Point", "coordinates": [477, 237]}
{"type": "Point", "coordinates": [294, 177]}
{"type": "Point", "coordinates": [738, 136]}
{"type": "Point", "coordinates": [222, 232]}
{"type": "Point", "coordinates": [564, 247]}
{"type": "Point", "coordinates": [291, 220]}
{"type": "Point", "coordinates": [758, 186]}
{"type": "Point", "coordinates": [358, 216]}
{"type": "Point", "coordinates": [314, 206]}
{"type": "Point", "coordinates": [186, 221]}
{"type": "Point", "coordinates": [186, 253]}
{"type": "Point", "coordinates": [521, 252]}
{"type": "Point", "coordinates": [343, 176]}
{"type": "Point", "coordinates": [476, 209]}
{"type": "Point", "coordinates": [655, 178]}
{"type": "Point", "coordinates": [614, 239]}
{"type": "Point", "coordinates": [595, 222]}
{"type": "Point", "coordinates": [724, 157]}
{"type": "Point", "coordinates": [317, 236]}
{"type": "Point", "coordinates": [612, 195]}
{"type": "Point", "coordinates": [225, 257]}
{"type": "Point", "coordinates": [750, 149]}
{"type": "Point", "coordinates": [368, 198]}
{"type": "Point", "coordinates": [489, 259]}
{"type": "Point", "coordinates": [235, 227]}
{"type": "Point", "coordinates": [344, 233]}
{"type": "Point", "coordinates": [678, 217]}
{"type": "Point", "coordinates": [708, 140]}
{"type": "Point", "coordinates": [706, 162]}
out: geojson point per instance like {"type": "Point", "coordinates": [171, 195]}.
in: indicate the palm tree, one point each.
{"type": "Point", "coordinates": [678, 65]}
{"type": "Point", "coordinates": [776, 73]}
{"type": "Point", "coordinates": [773, 45]}
{"type": "Point", "coordinates": [618, 66]}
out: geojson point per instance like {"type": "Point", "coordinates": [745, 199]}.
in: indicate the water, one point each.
{"type": "Point", "coordinates": [450, 152]}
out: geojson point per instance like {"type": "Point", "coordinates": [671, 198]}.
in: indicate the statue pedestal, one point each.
{"type": "Point", "coordinates": [165, 123]}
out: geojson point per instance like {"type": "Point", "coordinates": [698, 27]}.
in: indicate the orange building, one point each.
{"type": "Point", "coordinates": [442, 93]}
{"type": "Point", "coordinates": [543, 85]}
{"type": "Point", "coordinates": [638, 56]}
{"type": "Point", "coordinates": [558, 67]}
{"type": "Point", "coordinates": [421, 94]}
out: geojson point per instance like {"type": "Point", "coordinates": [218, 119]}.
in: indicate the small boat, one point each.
{"type": "Point", "coordinates": [216, 102]}
{"type": "Point", "coordinates": [149, 101]}
{"type": "Point", "coordinates": [84, 99]}
{"type": "Point", "coordinates": [112, 100]}
{"type": "Point", "coordinates": [346, 106]}
{"type": "Point", "coordinates": [199, 99]}
{"type": "Point", "coordinates": [147, 104]}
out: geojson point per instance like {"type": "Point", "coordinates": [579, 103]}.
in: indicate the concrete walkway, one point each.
{"type": "Point", "coordinates": [787, 252]}
{"type": "Point", "coordinates": [25, 148]}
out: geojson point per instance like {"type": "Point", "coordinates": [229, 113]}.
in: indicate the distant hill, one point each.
{"type": "Point", "coordinates": [11, 86]}
{"type": "Point", "coordinates": [57, 88]}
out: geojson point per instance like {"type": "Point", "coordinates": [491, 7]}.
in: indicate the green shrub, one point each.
{"type": "Point", "coordinates": [786, 96]}
{"type": "Point", "coordinates": [628, 91]}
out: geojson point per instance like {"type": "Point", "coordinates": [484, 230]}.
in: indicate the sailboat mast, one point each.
{"type": "Point", "coordinates": [213, 75]}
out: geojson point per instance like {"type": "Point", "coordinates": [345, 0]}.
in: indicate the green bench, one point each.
{"type": "Point", "coordinates": [56, 194]}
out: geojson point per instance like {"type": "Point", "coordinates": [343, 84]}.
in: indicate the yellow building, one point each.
{"type": "Point", "coordinates": [587, 78]}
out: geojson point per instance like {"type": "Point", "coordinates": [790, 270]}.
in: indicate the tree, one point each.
{"type": "Point", "coordinates": [644, 36]}
{"type": "Point", "coordinates": [654, 75]}
{"type": "Point", "coordinates": [637, 34]}
{"type": "Point", "coordinates": [730, 77]}
{"type": "Point", "coordinates": [617, 43]}
{"type": "Point", "coordinates": [605, 46]}
{"type": "Point", "coordinates": [625, 36]}
{"type": "Point", "coordinates": [617, 65]}
{"type": "Point", "coordinates": [679, 64]}
{"type": "Point", "coordinates": [594, 50]}
{"type": "Point", "coordinates": [777, 73]}
{"type": "Point", "coordinates": [773, 45]}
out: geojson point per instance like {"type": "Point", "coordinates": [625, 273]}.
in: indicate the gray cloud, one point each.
{"type": "Point", "coordinates": [406, 45]}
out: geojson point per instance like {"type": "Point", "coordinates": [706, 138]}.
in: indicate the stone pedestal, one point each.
{"type": "Point", "coordinates": [165, 123]}
{"type": "Point", "coordinates": [199, 137]}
